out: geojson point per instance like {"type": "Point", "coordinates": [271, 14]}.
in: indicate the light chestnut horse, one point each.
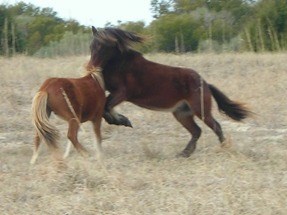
{"type": "Point", "coordinates": [76, 100]}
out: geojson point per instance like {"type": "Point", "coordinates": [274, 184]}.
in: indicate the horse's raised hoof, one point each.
{"type": "Point", "coordinates": [122, 120]}
{"type": "Point", "coordinates": [109, 118]}
{"type": "Point", "coordinates": [128, 124]}
{"type": "Point", "coordinates": [118, 120]}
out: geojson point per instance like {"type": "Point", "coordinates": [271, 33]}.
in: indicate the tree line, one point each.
{"type": "Point", "coordinates": [178, 26]}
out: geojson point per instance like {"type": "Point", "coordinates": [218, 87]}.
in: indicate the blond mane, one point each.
{"type": "Point", "coordinates": [96, 73]}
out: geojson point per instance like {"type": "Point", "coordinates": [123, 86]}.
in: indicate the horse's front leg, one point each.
{"type": "Point", "coordinates": [110, 115]}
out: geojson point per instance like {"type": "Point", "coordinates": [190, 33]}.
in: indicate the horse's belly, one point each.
{"type": "Point", "coordinates": [163, 107]}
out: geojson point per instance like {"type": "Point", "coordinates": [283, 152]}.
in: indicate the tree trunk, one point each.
{"type": "Point", "coordinates": [5, 41]}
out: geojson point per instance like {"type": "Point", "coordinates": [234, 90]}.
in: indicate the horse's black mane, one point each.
{"type": "Point", "coordinates": [123, 39]}
{"type": "Point", "coordinates": [123, 35]}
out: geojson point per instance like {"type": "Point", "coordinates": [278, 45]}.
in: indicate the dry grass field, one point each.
{"type": "Point", "coordinates": [142, 174]}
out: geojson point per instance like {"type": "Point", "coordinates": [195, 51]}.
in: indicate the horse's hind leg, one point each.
{"type": "Point", "coordinates": [37, 141]}
{"type": "Point", "coordinates": [204, 113]}
{"type": "Point", "coordinates": [215, 126]}
{"type": "Point", "coordinates": [186, 118]}
{"type": "Point", "coordinates": [73, 136]}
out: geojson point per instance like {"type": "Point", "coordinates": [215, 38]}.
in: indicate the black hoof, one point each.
{"type": "Point", "coordinates": [119, 120]}
{"type": "Point", "coordinates": [124, 121]}
{"type": "Point", "coordinates": [108, 117]}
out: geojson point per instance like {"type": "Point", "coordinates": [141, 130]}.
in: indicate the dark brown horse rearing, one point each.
{"type": "Point", "coordinates": [130, 77]}
{"type": "Point", "coordinates": [75, 100]}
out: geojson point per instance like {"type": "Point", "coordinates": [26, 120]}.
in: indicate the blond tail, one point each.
{"type": "Point", "coordinates": [40, 119]}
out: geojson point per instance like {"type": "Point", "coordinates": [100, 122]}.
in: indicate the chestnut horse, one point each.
{"type": "Point", "coordinates": [130, 77]}
{"type": "Point", "coordinates": [75, 100]}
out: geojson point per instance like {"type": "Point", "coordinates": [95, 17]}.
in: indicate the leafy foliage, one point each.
{"type": "Point", "coordinates": [33, 27]}
{"type": "Point", "coordinates": [178, 26]}
{"type": "Point", "coordinates": [268, 27]}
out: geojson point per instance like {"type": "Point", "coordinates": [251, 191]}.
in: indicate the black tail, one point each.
{"type": "Point", "coordinates": [230, 108]}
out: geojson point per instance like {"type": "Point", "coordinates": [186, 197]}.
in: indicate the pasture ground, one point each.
{"type": "Point", "coordinates": [142, 174]}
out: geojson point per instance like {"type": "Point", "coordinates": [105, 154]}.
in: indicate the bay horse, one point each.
{"type": "Point", "coordinates": [128, 76]}
{"type": "Point", "coordinates": [76, 100]}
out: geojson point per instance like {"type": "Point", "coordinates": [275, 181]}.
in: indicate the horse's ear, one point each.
{"type": "Point", "coordinates": [94, 30]}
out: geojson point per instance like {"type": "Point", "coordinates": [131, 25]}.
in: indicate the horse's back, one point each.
{"type": "Point", "coordinates": [77, 93]}
{"type": "Point", "coordinates": [160, 87]}
{"type": "Point", "coordinates": [88, 95]}
{"type": "Point", "coordinates": [158, 78]}
{"type": "Point", "coordinates": [56, 89]}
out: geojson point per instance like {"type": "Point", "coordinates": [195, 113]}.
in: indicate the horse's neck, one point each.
{"type": "Point", "coordinates": [130, 59]}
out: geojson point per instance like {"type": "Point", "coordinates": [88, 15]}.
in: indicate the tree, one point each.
{"type": "Point", "coordinates": [161, 7]}
{"type": "Point", "coordinates": [30, 27]}
{"type": "Point", "coordinates": [267, 29]}
{"type": "Point", "coordinates": [183, 27]}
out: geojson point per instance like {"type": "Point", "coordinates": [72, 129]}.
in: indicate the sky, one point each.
{"type": "Point", "coordinates": [96, 12]}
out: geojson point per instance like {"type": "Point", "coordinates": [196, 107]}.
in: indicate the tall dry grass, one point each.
{"type": "Point", "coordinates": [248, 178]}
